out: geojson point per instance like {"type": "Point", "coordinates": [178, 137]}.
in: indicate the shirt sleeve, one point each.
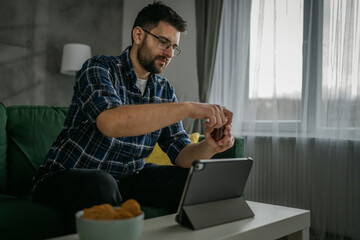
{"type": "Point", "coordinates": [173, 138]}
{"type": "Point", "coordinates": [95, 88]}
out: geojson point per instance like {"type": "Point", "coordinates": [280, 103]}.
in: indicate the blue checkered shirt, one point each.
{"type": "Point", "coordinates": [104, 83]}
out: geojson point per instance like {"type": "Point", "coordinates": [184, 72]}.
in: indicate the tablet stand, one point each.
{"type": "Point", "coordinates": [214, 213]}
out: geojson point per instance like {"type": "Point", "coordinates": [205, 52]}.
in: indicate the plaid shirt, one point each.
{"type": "Point", "coordinates": [104, 83]}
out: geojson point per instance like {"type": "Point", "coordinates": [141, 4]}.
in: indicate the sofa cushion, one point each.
{"type": "Point", "coordinates": [3, 146]}
{"type": "Point", "coordinates": [31, 131]}
{"type": "Point", "coordinates": [159, 157]}
{"type": "Point", "coordinates": [151, 212]}
{"type": "Point", "coordinates": [21, 219]}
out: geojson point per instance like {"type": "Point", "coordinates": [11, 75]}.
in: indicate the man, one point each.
{"type": "Point", "coordinates": [119, 110]}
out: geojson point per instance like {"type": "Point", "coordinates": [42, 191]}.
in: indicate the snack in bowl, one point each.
{"type": "Point", "coordinates": [130, 208]}
{"type": "Point", "coordinates": [106, 222]}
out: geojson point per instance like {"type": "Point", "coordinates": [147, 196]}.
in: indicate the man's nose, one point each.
{"type": "Point", "coordinates": [169, 52]}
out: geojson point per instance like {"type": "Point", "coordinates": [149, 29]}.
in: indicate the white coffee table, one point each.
{"type": "Point", "coordinates": [270, 222]}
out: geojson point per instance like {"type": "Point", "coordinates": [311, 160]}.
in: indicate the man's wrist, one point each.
{"type": "Point", "coordinates": [208, 149]}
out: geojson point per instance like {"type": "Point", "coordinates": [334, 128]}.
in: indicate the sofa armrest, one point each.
{"type": "Point", "coordinates": [237, 151]}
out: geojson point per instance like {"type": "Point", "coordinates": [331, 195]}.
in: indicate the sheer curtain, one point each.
{"type": "Point", "coordinates": [340, 103]}
{"type": "Point", "coordinates": [208, 15]}
{"type": "Point", "coordinates": [289, 70]}
{"type": "Point", "coordinates": [231, 69]}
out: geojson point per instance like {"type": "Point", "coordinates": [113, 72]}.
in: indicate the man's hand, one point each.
{"type": "Point", "coordinates": [206, 148]}
{"type": "Point", "coordinates": [216, 115]}
{"type": "Point", "coordinates": [224, 143]}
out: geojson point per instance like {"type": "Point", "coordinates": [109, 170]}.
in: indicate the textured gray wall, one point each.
{"type": "Point", "coordinates": [32, 34]}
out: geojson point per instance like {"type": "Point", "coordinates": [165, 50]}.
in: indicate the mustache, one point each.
{"type": "Point", "coordinates": [165, 59]}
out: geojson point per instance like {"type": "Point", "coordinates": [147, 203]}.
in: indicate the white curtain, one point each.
{"type": "Point", "coordinates": [340, 104]}
{"type": "Point", "coordinates": [289, 70]}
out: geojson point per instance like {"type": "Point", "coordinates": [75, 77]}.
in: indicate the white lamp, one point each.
{"type": "Point", "coordinates": [74, 56]}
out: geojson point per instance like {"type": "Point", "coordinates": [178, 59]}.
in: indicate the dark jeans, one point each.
{"type": "Point", "coordinates": [75, 189]}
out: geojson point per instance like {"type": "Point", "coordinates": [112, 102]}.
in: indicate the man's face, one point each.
{"type": "Point", "coordinates": [150, 56]}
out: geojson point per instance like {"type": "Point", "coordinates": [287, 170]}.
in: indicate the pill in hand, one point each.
{"type": "Point", "coordinates": [218, 133]}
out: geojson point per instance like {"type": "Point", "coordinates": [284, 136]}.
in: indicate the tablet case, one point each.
{"type": "Point", "coordinates": [213, 193]}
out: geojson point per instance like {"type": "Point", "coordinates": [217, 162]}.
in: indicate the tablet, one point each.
{"type": "Point", "coordinates": [212, 184]}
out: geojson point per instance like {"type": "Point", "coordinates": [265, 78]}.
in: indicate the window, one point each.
{"type": "Point", "coordinates": [275, 77]}
{"type": "Point", "coordinates": [285, 74]}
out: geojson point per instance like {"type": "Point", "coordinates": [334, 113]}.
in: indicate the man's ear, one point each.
{"type": "Point", "coordinates": [138, 35]}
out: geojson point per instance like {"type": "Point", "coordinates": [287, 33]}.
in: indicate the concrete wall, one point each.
{"type": "Point", "coordinates": [32, 34]}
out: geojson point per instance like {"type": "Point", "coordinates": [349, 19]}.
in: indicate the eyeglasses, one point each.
{"type": "Point", "coordinates": [164, 43]}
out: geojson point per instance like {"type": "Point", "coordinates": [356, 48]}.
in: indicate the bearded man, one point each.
{"type": "Point", "coordinates": [119, 110]}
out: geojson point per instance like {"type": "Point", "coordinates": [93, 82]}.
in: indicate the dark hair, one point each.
{"type": "Point", "coordinates": [150, 16]}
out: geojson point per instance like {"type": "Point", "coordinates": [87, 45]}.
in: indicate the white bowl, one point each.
{"type": "Point", "coordinates": [121, 229]}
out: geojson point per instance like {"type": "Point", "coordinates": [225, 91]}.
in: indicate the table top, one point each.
{"type": "Point", "coordinates": [269, 222]}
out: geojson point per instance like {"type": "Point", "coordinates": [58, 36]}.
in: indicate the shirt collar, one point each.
{"type": "Point", "coordinates": [127, 66]}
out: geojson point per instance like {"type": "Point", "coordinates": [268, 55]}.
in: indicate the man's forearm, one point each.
{"type": "Point", "coordinates": [192, 152]}
{"type": "Point", "coordinates": [134, 120]}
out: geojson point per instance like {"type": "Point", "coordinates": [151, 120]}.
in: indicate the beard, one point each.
{"type": "Point", "coordinates": [147, 60]}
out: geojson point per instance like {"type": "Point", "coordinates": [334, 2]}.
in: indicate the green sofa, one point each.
{"type": "Point", "coordinates": [26, 134]}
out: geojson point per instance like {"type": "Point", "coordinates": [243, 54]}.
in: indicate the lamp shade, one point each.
{"type": "Point", "coordinates": [74, 55]}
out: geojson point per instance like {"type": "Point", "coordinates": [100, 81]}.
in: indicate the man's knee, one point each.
{"type": "Point", "coordinates": [100, 187]}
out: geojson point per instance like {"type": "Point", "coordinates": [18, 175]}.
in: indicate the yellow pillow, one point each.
{"type": "Point", "coordinates": [159, 157]}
